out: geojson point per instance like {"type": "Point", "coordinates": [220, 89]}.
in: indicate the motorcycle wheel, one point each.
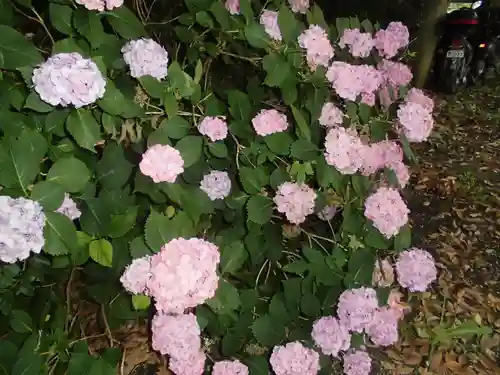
{"type": "Point", "coordinates": [451, 82]}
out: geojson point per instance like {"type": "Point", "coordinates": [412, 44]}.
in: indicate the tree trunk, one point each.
{"type": "Point", "coordinates": [427, 39]}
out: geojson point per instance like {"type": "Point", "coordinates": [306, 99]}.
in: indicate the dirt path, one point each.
{"type": "Point", "coordinates": [455, 204]}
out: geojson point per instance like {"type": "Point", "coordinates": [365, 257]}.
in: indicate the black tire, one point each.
{"type": "Point", "coordinates": [450, 80]}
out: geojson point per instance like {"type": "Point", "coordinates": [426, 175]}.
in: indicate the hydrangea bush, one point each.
{"type": "Point", "coordinates": [241, 181]}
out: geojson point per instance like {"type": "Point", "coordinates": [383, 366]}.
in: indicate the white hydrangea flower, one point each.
{"type": "Point", "coordinates": [21, 228]}
{"type": "Point", "coordinates": [69, 208]}
{"type": "Point", "coordinates": [146, 57]}
{"type": "Point", "coordinates": [216, 184]}
{"type": "Point", "coordinates": [69, 78]}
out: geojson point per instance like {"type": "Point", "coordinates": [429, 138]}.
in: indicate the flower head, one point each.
{"type": "Point", "coordinates": [295, 200]}
{"type": "Point", "coordinates": [69, 79]}
{"type": "Point", "coordinates": [136, 276]}
{"type": "Point", "coordinates": [343, 150]}
{"type": "Point", "coordinates": [350, 81]}
{"type": "Point", "coordinates": [387, 210]}
{"type": "Point", "coordinates": [216, 184]}
{"type": "Point", "coordinates": [357, 363]}
{"type": "Point", "coordinates": [229, 368]}
{"type": "Point", "coordinates": [195, 365]}
{"type": "Point", "coordinates": [69, 208]}
{"type": "Point", "coordinates": [269, 121]}
{"type": "Point", "coordinates": [331, 115]}
{"type": "Point", "coordinates": [233, 6]}
{"type": "Point", "coordinates": [415, 121]}
{"type": "Point", "coordinates": [100, 5]}
{"type": "Point", "coordinates": [214, 128]}
{"type": "Point", "coordinates": [389, 41]}
{"type": "Point", "coordinates": [162, 163]}
{"type": "Point", "coordinates": [269, 19]}
{"type": "Point", "coordinates": [145, 57]}
{"type": "Point", "coordinates": [177, 336]}
{"type": "Point", "coordinates": [319, 50]}
{"type": "Point", "coordinates": [294, 359]}
{"type": "Point", "coordinates": [299, 6]}
{"type": "Point", "coordinates": [417, 96]}
{"type": "Point", "coordinates": [360, 44]}
{"type": "Point", "coordinates": [383, 329]}
{"type": "Point", "coordinates": [395, 73]}
{"type": "Point", "coordinates": [356, 307]}
{"type": "Point", "coordinates": [330, 335]}
{"type": "Point", "coordinates": [416, 269]}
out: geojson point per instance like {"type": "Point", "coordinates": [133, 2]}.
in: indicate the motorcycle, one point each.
{"type": "Point", "coordinates": [466, 49]}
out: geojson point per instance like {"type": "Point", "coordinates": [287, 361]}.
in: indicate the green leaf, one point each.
{"type": "Point", "coordinates": [121, 224]}
{"type": "Point", "coordinates": [258, 365]}
{"type": "Point", "coordinates": [69, 172]}
{"type": "Point", "coordinates": [170, 103]}
{"type": "Point", "coordinates": [113, 101]}
{"type": "Point", "coordinates": [342, 23]}
{"type": "Point", "coordinates": [20, 321]}
{"type": "Point", "coordinates": [221, 14]}
{"type": "Point", "coordinates": [60, 234]}
{"type": "Point", "coordinates": [256, 36]}
{"type": "Point", "coordinates": [16, 51]}
{"type": "Point", "coordinates": [138, 248]}
{"type": "Point", "coordinates": [155, 89]}
{"type": "Point", "coordinates": [113, 170]}
{"type": "Point", "coordinates": [84, 128]}
{"type": "Point", "coordinates": [20, 159]}
{"type": "Point", "coordinates": [304, 150]}
{"type": "Point", "coordinates": [253, 179]}
{"type": "Point", "coordinates": [277, 69]}
{"type": "Point", "coordinates": [49, 194]}
{"type": "Point", "coordinates": [315, 16]}
{"type": "Point", "coordinates": [279, 143]}
{"type": "Point", "coordinates": [34, 102]}
{"type": "Point", "coordinates": [60, 17]}
{"type": "Point", "coordinates": [28, 364]}
{"type": "Point", "coordinates": [204, 19]}
{"type": "Point", "coordinates": [267, 331]}
{"type": "Point", "coordinates": [402, 241]}
{"type": "Point", "coordinates": [246, 10]}
{"type": "Point", "coordinates": [101, 251]}
{"type": "Point", "coordinates": [191, 149]}
{"type": "Point", "coordinates": [8, 353]}
{"type": "Point", "coordinates": [310, 305]}
{"type": "Point", "coordinates": [180, 81]}
{"type": "Point", "coordinates": [141, 302]}
{"type": "Point", "coordinates": [227, 298]}
{"type": "Point", "coordinates": [298, 267]}
{"type": "Point", "coordinates": [360, 268]}
{"type": "Point", "coordinates": [260, 209]}
{"type": "Point", "coordinates": [125, 23]}
{"type": "Point", "coordinates": [289, 26]}
{"type": "Point", "coordinates": [156, 231]}
{"type": "Point", "coordinates": [218, 149]}
{"type": "Point", "coordinates": [175, 127]}
{"type": "Point", "coordinates": [367, 26]}
{"type": "Point", "coordinates": [89, 25]}
{"type": "Point", "coordinates": [303, 130]}
{"type": "Point", "coordinates": [239, 105]}
{"type": "Point", "coordinates": [233, 256]}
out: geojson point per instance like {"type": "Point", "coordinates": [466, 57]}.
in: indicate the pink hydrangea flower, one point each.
{"type": "Point", "coordinates": [296, 201]}
{"type": "Point", "coordinates": [269, 121]}
{"type": "Point", "coordinates": [177, 336]}
{"type": "Point", "coordinates": [401, 171]}
{"type": "Point", "coordinates": [357, 363]}
{"type": "Point", "coordinates": [162, 163]}
{"type": "Point", "coordinates": [395, 73]}
{"type": "Point", "coordinates": [136, 276]}
{"type": "Point", "coordinates": [319, 50]}
{"type": "Point", "coordinates": [299, 6]}
{"type": "Point", "coordinates": [269, 19]}
{"type": "Point", "coordinates": [216, 184]}
{"type": "Point", "coordinates": [330, 335]}
{"type": "Point", "coordinates": [100, 5]}
{"type": "Point", "coordinates": [294, 359]}
{"type": "Point", "coordinates": [356, 307]}
{"type": "Point", "coordinates": [69, 79]}
{"type": "Point", "coordinates": [342, 150]}
{"type": "Point", "coordinates": [372, 158]}
{"type": "Point", "coordinates": [387, 95]}
{"type": "Point", "coordinates": [195, 365]}
{"type": "Point", "coordinates": [415, 121]}
{"type": "Point", "coordinates": [327, 213]}
{"type": "Point", "coordinates": [233, 6]}
{"type": "Point", "coordinates": [350, 81]}
{"type": "Point", "coordinates": [214, 128]}
{"type": "Point", "coordinates": [368, 99]}
{"type": "Point", "coordinates": [184, 274]}
{"type": "Point", "coordinates": [331, 115]}
{"type": "Point", "coordinates": [393, 153]}
{"type": "Point", "coordinates": [416, 269]}
{"type": "Point", "coordinates": [360, 44]}
{"type": "Point", "coordinates": [383, 329]}
{"type": "Point", "coordinates": [229, 368]}
{"type": "Point", "coordinates": [417, 96]}
{"type": "Point", "coordinates": [145, 57]}
{"type": "Point", "coordinates": [389, 41]}
{"type": "Point", "coordinates": [387, 210]}
{"type": "Point", "coordinates": [69, 208]}
{"type": "Point", "coordinates": [383, 273]}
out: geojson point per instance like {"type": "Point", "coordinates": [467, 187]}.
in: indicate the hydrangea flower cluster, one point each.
{"type": "Point", "coordinates": [294, 359]}
{"type": "Point", "coordinates": [331, 336]}
{"type": "Point", "coordinates": [269, 19]}
{"type": "Point", "coordinates": [100, 5]}
{"type": "Point", "coordinates": [214, 128]}
{"type": "Point", "coordinates": [145, 57]}
{"type": "Point", "coordinates": [331, 115]}
{"type": "Point", "coordinates": [343, 149]}
{"type": "Point", "coordinates": [296, 201]}
{"type": "Point", "coordinates": [136, 276]}
{"type": "Point", "coordinates": [389, 41]}
{"type": "Point", "coordinates": [216, 184]}
{"type": "Point", "coordinates": [416, 269]}
{"type": "Point", "coordinates": [233, 6]}
{"type": "Point", "coordinates": [22, 222]}
{"type": "Point", "coordinates": [417, 96]}
{"type": "Point", "coordinates": [356, 308]}
{"type": "Point", "coordinates": [415, 119]}
{"type": "Point", "coordinates": [395, 73]}
{"type": "Point", "coordinates": [162, 163]}
{"type": "Point", "coordinates": [299, 6]}
{"type": "Point", "coordinates": [319, 50]}
{"type": "Point", "coordinates": [350, 81]}
{"type": "Point", "coordinates": [69, 208]}
{"type": "Point", "coordinates": [269, 121]}
{"type": "Point", "coordinates": [360, 44]}
{"type": "Point", "coordinates": [357, 362]}
{"type": "Point", "coordinates": [387, 211]}
{"type": "Point", "coordinates": [229, 368]}
{"type": "Point", "coordinates": [69, 79]}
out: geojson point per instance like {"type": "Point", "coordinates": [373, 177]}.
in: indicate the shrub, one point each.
{"type": "Point", "coordinates": [245, 185]}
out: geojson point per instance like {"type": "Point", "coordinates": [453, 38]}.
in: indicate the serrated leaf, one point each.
{"type": "Point", "coordinates": [256, 36]}
{"type": "Point", "coordinates": [101, 251]}
{"type": "Point", "coordinates": [34, 102]}
{"type": "Point", "coordinates": [277, 69]}
{"type": "Point", "coordinates": [113, 170]}
{"type": "Point", "coordinates": [156, 231]}
{"type": "Point", "coordinates": [267, 331]}
{"type": "Point", "coordinates": [253, 179]}
{"type": "Point", "coordinates": [84, 128]}
{"type": "Point", "coordinates": [289, 26]}
{"type": "Point", "coordinates": [49, 194]}
{"type": "Point", "coordinates": [71, 173]}
{"type": "Point", "coordinates": [16, 51]}
{"type": "Point", "coordinates": [233, 256]}
{"type": "Point", "coordinates": [60, 16]}
{"type": "Point", "coordinates": [191, 149]}
{"type": "Point", "coordinates": [60, 234]}
{"type": "Point", "coordinates": [259, 209]}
